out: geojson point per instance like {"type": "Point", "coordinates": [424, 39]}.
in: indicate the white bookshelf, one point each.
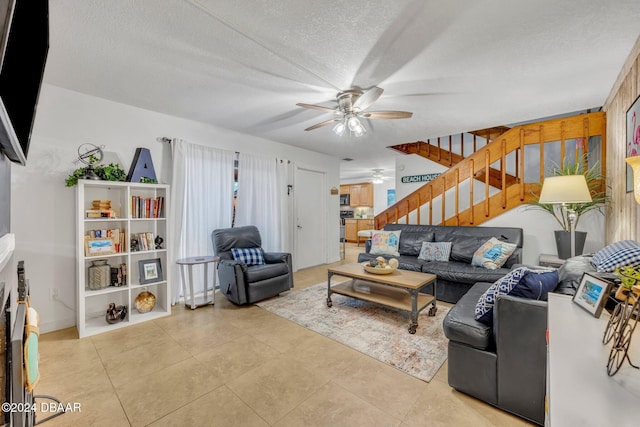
{"type": "Point", "coordinates": [92, 304]}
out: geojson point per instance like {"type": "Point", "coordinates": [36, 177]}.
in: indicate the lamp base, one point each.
{"type": "Point", "coordinates": [563, 243]}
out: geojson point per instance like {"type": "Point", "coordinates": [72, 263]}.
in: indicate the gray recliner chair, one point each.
{"type": "Point", "coordinates": [246, 284]}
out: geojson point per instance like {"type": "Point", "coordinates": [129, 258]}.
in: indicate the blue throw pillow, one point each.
{"type": "Point", "coordinates": [249, 256]}
{"type": "Point", "coordinates": [502, 286]}
{"type": "Point", "coordinates": [536, 284]}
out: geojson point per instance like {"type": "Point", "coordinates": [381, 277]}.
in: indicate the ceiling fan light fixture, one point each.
{"type": "Point", "coordinates": [355, 127]}
{"type": "Point", "coordinates": [377, 180]}
{"type": "Point", "coordinates": [339, 129]}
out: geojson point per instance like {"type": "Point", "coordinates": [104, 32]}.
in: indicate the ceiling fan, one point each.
{"type": "Point", "coordinates": [352, 104]}
{"type": "Point", "coordinates": [378, 177]}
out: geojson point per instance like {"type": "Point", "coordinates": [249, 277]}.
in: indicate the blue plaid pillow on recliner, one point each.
{"type": "Point", "coordinates": [248, 256]}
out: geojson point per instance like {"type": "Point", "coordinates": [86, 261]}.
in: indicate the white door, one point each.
{"type": "Point", "coordinates": [310, 227]}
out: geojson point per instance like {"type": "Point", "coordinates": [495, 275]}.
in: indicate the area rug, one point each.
{"type": "Point", "coordinates": [377, 331]}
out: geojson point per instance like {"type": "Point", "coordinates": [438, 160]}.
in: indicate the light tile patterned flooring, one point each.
{"type": "Point", "coordinates": [241, 366]}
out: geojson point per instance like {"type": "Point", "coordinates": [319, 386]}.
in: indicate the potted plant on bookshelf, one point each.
{"type": "Point", "coordinates": [595, 182]}
{"type": "Point", "coordinates": [111, 172]}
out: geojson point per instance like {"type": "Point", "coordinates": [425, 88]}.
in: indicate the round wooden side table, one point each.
{"type": "Point", "coordinates": [187, 264]}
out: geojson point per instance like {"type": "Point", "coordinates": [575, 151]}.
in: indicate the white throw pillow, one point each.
{"type": "Point", "coordinates": [385, 243]}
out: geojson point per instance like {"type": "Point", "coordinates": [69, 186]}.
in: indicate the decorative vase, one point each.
{"type": "Point", "coordinates": [99, 274]}
{"type": "Point", "coordinates": [563, 243]}
{"type": "Point", "coordinates": [145, 301]}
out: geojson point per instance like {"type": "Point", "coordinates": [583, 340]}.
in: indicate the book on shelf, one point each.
{"type": "Point", "coordinates": [145, 241]}
{"type": "Point", "coordinates": [100, 213]}
{"type": "Point", "coordinates": [150, 207]}
{"type": "Point", "coordinates": [116, 235]}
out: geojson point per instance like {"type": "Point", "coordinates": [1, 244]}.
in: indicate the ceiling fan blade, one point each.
{"type": "Point", "coordinates": [319, 125]}
{"type": "Point", "coordinates": [386, 115]}
{"type": "Point", "coordinates": [368, 98]}
{"type": "Point", "coordinates": [318, 107]}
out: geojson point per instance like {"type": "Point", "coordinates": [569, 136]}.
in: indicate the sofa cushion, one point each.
{"type": "Point", "coordinates": [461, 272]}
{"type": "Point", "coordinates": [411, 242]}
{"type": "Point", "coordinates": [492, 254]}
{"type": "Point", "coordinates": [618, 254]}
{"type": "Point", "coordinates": [463, 247]}
{"type": "Point", "coordinates": [435, 251]}
{"type": "Point", "coordinates": [256, 273]}
{"type": "Point", "coordinates": [385, 243]}
{"type": "Point", "coordinates": [460, 324]}
{"type": "Point", "coordinates": [249, 256]}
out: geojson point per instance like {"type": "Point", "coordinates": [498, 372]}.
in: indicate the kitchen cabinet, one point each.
{"type": "Point", "coordinates": [352, 226]}
{"type": "Point", "coordinates": [351, 229]}
{"type": "Point", "coordinates": [360, 194]}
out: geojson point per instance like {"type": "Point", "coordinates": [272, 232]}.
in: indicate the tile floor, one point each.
{"type": "Point", "coordinates": [241, 366]}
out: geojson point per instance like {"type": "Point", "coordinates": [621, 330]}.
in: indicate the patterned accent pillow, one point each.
{"type": "Point", "coordinates": [249, 256]}
{"type": "Point", "coordinates": [435, 251]}
{"type": "Point", "coordinates": [615, 255]}
{"type": "Point", "coordinates": [385, 243]}
{"type": "Point", "coordinates": [502, 286]}
{"type": "Point", "coordinates": [493, 254]}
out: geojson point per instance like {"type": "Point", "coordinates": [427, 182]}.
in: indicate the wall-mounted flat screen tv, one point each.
{"type": "Point", "coordinates": [24, 47]}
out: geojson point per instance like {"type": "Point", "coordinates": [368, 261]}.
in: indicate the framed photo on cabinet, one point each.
{"type": "Point", "coordinates": [150, 271]}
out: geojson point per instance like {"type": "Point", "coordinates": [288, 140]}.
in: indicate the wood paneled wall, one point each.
{"type": "Point", "coordinates": [623, 214]}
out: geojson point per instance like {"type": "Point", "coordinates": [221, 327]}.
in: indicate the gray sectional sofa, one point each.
{"type": "Point", "coordinates": [504, 364]}
{"type": "Point", "coordinates": [456, 276]}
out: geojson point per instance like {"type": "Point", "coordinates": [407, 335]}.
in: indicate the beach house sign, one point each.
{"type": "Point", "coordinates": [419, 178]}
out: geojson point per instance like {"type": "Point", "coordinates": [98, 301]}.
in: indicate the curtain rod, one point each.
{"type": "Point", "coordinates": [163, 139]}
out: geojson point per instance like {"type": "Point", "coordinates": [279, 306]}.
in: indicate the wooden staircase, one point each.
{"type": "Point", "coordinates": [447, 156]}
{"type": "Point", "coordinates": [501, 175]}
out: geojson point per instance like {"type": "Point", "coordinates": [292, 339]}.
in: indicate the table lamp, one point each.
{"type": "Point", "coordinates": [634, 162]}
{"type": "Point", "coordinates": [565, 190]}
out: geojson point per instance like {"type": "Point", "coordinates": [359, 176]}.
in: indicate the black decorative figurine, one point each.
{"type": "Point", "coordinates": [158, 242]}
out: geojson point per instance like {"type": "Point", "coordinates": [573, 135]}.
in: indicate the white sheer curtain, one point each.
{"type": "Point", "coordinates": [262, 199]}
{"type": "Point", "coordinates": [201, 201]}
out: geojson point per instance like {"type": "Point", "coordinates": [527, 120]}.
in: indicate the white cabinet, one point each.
{"type": "Point", "coordinates": [135, 210]}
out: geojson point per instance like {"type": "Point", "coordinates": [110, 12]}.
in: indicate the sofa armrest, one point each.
{"type": "Point", "coordinates": [273, 257]}
{"type": "Point", "coordinates": [231, 279]}
{"type": "Point", "coordinates": [520, 332]}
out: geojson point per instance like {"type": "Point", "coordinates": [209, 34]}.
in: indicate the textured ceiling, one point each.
{"type": "Point", "coordinates": [243, 65]}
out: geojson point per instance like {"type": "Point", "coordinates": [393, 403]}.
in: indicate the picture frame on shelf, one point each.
{"type": "Point", "coordinates": [98, 247]}
{"type": "Point", "coordinates": [592, 294]}
{"type": "Point", "coordinates": [150, 271]}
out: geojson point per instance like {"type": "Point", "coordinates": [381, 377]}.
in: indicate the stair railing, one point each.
{"type": "Point", "coordinates": [462, 201]}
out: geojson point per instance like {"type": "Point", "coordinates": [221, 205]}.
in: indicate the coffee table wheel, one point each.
{"type": "Point", "coordinates": [432, 311]}
{"type": "Point", "coordinates": [412, 328]}
{"type": "Point", "coordinates": [329, 303]}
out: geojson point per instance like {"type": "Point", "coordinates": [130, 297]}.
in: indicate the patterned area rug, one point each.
{"type": "Point", "coordinates": [372, 329]}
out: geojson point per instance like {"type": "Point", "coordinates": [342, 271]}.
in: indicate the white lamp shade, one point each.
{"type": "Point", "coordinates": [565, 189]}
{"type": "Point", "coordinates": [634, 162]}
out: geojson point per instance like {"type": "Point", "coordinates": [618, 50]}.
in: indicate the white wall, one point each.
{"type": "Point", "coordinates": [43, 209]}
